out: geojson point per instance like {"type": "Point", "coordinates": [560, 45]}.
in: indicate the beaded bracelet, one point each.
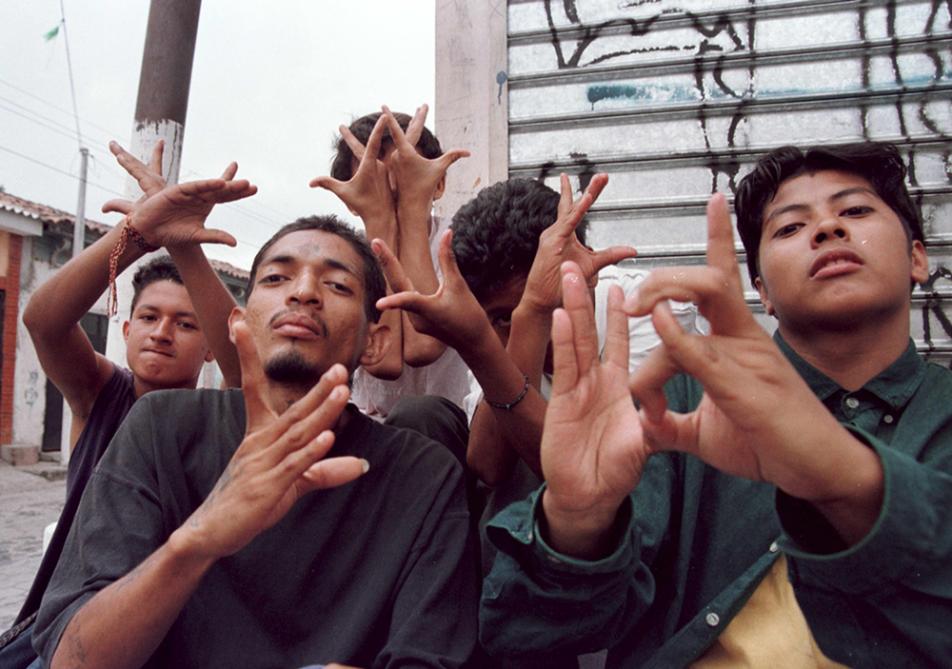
{"type": "Point", "coordinates": [509, 405]}
{"type": "Point", "coordinates": [125, 233]}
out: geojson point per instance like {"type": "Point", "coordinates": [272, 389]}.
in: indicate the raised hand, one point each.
{"type": "Point", "coordinates": [451, 314]}
{"type": "Point", "coordinates": [367, 193]}
{"type": "Point", "coordinates": [758, 419]}
{"type": "Point", "coordinates": [175, 215]}
{"type": "Point", "coordinates": [592, 448]}
{"type": "Point", "coordinates": [559, 243]}
{"type": "Point", "coordinates": [280, 459]}
{"type": "Point", "coordinates": [414, 177]}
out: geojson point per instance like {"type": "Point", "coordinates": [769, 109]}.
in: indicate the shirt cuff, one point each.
{"type": "Point", "coordinates": [515, 531]}
{"type": "Point", "coordinates": [896, 545]}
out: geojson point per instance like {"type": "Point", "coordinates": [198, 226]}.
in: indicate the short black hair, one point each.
{"type": "Point", "coordinates": [375, 286]}
{"type": "Point", "coordinates": [877, 162]}
{"type": "Point", "coordinates": [341, 167]}
{"type": "Point", "coordinates": [157, 269]}
{"type": "Point", "coordinates": [496, 234]}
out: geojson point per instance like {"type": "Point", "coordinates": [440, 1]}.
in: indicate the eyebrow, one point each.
{"type": "Point", "coordinates": [839, 195]}
{"type": "Point", "coordinates": [178, 314]}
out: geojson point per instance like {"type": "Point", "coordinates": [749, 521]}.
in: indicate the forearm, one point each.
{"type": "Point", "coordinates": [519, 427]}
{"type": "Point", "coordinates": [73, 289]}
{"type": "Point", "coordinates": [115, 628]}
{"type": "Point", "coordinates": [413, 219]}
{"type": "Point", "coordinates": [213, 304]}
{"type": "Point", "coordinates": [529, 340]}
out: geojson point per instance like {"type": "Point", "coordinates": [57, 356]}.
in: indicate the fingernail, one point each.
{"type": "Point", "coordinates": [364, 465]}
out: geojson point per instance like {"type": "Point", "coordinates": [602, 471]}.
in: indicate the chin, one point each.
{"type": "Point", "coordinates": [291, 368]}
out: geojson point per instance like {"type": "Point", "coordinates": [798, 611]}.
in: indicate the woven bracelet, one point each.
{"type": "Point", "coordinates": [509, 405]}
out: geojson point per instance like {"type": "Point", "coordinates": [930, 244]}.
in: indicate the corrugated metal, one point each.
{"type": "Point", "coordinates": [677, 98]}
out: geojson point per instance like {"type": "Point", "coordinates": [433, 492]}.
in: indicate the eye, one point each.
{"type": "Point", "coordinates": [787, 230]}
{"type": "Point", "coordinates": [859, 210]}
{"type": "Point", "coordinates": [503, 321]}
{"type": "Point", "coordinates": [272, 278]}
{"type": "Point", "coordinates": [148, 318]}
{"type": "Point", "coordinates": [188, 325]}
{"type": "Point", "coordinates": [339, 287]}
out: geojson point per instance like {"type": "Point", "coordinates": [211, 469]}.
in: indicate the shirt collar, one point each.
{"type": "Point", "coordinates": [895, 385]}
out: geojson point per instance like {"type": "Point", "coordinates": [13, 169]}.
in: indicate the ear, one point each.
{"type": "Point", "coordinates": [440, 188]}
{"type": "Point", "coordinates": [920, 262]}
{"type": "Point", "coordinates": [125, 330]}
{"type": "Point", "coordinates": [379, 340]}
{"type": "Point", "coordinates": [764, 297]}
{"type": "Point", "coordinates": [237, 314]}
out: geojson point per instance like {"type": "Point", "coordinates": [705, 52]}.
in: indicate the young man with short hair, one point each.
{"type": "Point", "coordinates": [209, 519]}
{"type": "Point", "coordinates": [167, 338]}
{"type": "Point", "coordinates": [786, 506]}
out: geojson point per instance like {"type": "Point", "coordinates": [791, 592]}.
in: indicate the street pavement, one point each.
{"type": "Point", "coordinates": [29, 501]}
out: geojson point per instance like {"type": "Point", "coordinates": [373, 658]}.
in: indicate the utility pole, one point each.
{"type": "Point", "coordinates": [160, 114]}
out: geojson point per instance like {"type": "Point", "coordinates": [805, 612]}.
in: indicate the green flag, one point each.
{"type": "Point", "coordinates": [52, 33]}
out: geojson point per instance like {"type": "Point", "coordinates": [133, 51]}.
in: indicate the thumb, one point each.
{"type": "Point", "coordinates": [451, 157]}
{"type": "Point", "coordinates": [327, 183]}
{"type": "Point", "coordinates": [120, 206]}
{"type": "Point", "coordinates": [214, 236]}
{"type": "Point", "coordinates": [612, 255]}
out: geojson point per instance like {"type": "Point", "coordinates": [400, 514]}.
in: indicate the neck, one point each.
{"type": "Point", "coordinates": [280, 397]}
{"type": "Point", "coordinates": [141, 387]}
{"type": "Point", "coordinates": [852, 357]}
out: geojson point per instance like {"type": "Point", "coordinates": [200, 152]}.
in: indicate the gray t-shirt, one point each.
{"type": "Point", "coordinates": [376, 573]}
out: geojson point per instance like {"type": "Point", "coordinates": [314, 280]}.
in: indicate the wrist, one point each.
{"type": "Point", "coordinates": [187, 548]}
{"type": "Point", "coordinates": [588, 534]}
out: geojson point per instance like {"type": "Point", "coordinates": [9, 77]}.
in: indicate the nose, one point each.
{"type": "Point", "coordinates": [306, 290]}
{"type": "Point", "coordinates": [163, 330]}
{"type": "Point", "coordinates": [828, 229]}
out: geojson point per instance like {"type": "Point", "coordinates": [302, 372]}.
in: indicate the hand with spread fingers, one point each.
{"type": "Point", "coordinates": [414, 177]}
{"type": "Point", "coordinates": [451, 314]}
{"type": "Point", "coordinates": [559, 243]}
{"type": "Point", "coordinates": [280, 459]}
{"type": "Point", "coordinates": [175, 215]}
{"type": "Point", "coordinates": [368, 192]}
{"type": "Point", "coordinates": [592, 447]}
{"type": "Point", "coordinates": [758, 419]}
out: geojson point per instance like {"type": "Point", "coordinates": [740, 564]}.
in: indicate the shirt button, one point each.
{"type": "Point", "coordinates": [888, 419]}
{"type": "Point", "coordinates": [712, 619]}
{"type": "Point", "coordinates": [852, 402]}
{"type": "Point", "coordinates": [774, 547]}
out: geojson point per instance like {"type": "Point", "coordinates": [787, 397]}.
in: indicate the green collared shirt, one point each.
{"type": "Point", "coordinates": [698, 543]}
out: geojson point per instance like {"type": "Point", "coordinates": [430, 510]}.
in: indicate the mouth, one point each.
{"type": "Point", "coordinates": [155, 351]}
{"type": "Point", "coordinates": [298, 326]}
{"type": "Point", "coordinates": [835, 263]}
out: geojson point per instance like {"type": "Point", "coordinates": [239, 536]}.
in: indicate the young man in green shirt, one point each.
{"type": "Point", "coordinates": [818, 464]}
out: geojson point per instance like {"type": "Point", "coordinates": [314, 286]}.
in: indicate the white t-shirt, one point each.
{"type": "Point", "coordinates": [642, 338]}
{"type": "Point", "coordinates": [445, 377]}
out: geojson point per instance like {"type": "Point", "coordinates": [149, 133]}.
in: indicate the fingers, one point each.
{"type": "Point", "coordinates": [327, 183]}
{"type": "Point", "coordinates": [214, 236]}
{"type": "Point", "coordinates": [597, 185]}
{"type": "Point", "coordinates": [565, 196]}
{"type": "Point", "coordinates": [616, 333]}
{"type": "Point", "coordinates": [253, 381]}
{"type": "Point", "coordinates": [647, 383]}
{"type": "Point", "coordinates": [335, 472]}
{"type": "Point", "coordinates": [351, 140]}
{"type": "Point", "coordinates": [121, 206]}
{"type": "Point", "coordinates": [451, 157]}
{"type": "Point", "coordinates": [314, 413]}
{"type": "Point", "coordinates": [415, 127]}
{"type": "Point", "coordinates": [155, 162]}
{"type": "Point", "coordinates": [612, 255]}
{"type": "Point", "coordinates": [375, 140]}
{"type": "Point", "coordinates": [564, 364]}
{"type": "Point", "coordinates": [392, 269]}
{"type": "Point", "coordinates": [230, 171]}
{"type": "Point", "coordinates": [400, 140]}
{"type": "Point", "coordinates": [720, 237]}
{"type": "Point", "coordinates": [447, 258]}
{"type": "Point", "coordinates": [135, 167]}
{"type": "Point", "coordinates": [578, 304]}
{"type": "Point", "coordinates": [202, 186]}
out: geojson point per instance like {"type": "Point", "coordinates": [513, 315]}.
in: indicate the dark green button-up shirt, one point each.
{"type": "Point", "coordinates": [698, 542]}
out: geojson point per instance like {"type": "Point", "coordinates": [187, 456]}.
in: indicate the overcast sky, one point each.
{"type": "Point", "coordinates": [270, 84]}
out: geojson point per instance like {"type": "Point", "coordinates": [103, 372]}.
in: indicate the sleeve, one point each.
{"type": "Point", "coordinates": [536, 601]}
{"type": "Point", "coordinates": [473, 397]}
{"type": "Point", "coordinates": [118, 524]}
{"type": "Point", "coordinates": [902, 570]}
{"type": "Point", "coordinates": [433, 620]}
